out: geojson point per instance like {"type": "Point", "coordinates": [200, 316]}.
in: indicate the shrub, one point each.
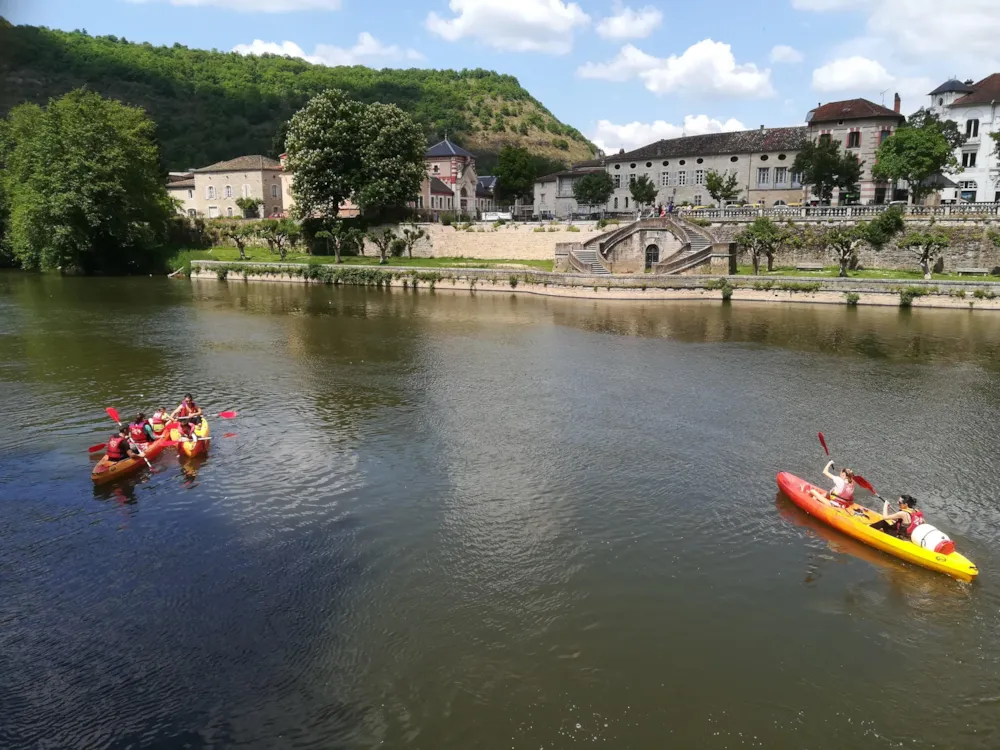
{"type": "Point", "coordinates": [447, 219]}
{"type": "Point", "coordinates": [572, 229]}
{"type": "Point", "coordinates": [852, 298]}
{"type": "Point", "coordinates": [909, 293]}
{"type": "Point", "coordinates": [513, 281]}
{"type": "Point", "coordinates": [716, 283]}
{"type": "Point", "coordinates": [607, 222]}
{"type": "Point", "coordinates": [798, 286]}
{"type": "Point", "coordinates": [699, 222]}
{"type": "Point", "coordinates": [222, 272]}
{"type": "Point", "coordinates": [763, 286]}
{"type": "Point", "coordinates": [984, 294]}
{"type": "Point", "coordinates": [960, 293]}
{"type": "Point", "coordinates": [727, 292]}
{"type": "Point", "coordinates": [538, 229]}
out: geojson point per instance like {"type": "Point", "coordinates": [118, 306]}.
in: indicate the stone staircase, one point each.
{"type": "Point", "coordinates": [588, 257]}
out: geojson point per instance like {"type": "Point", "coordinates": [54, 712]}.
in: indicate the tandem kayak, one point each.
{"type": "Point", "coordinates": [193, 447]}
{"type": "Point", "coordinates": [107, 470]}
{"type": "Point", "coordinates": [856, 522]}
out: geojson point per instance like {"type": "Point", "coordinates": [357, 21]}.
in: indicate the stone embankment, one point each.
{"type": "Point", "coordinates": [972, 295]}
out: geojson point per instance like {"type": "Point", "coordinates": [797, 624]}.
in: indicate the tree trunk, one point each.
{"type": "Point", "coordinates": [243, 255]}
{"type": "Point", "coordinates": [409, 250]}
{"type": "Point", "coordinates": [925, 264]}
{"type": "Point", "coordinates": [844, 260]}
{"type": "Point", "coordinates": [770, 262]}
{"type": "Point", "coordinates": [756, 263]}
{"type": "Point", "coordinates": [336, 250]}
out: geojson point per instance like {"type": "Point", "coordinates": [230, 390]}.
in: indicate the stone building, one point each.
{"type": "Point", "coordinates": [485, 195]}
{"type": "Point", "coordinates": [180, 187]}
{"type": "Point", "coordinates": [761, 160]}
{"type": "Point", "coordinates": [859, 126]}
{"type": "Point", "coordinates": [974, 107]}
{"type": "Point", "coordinates": [456, 168]}
{"type": "Point", "coordinates": [554, 192]}
{"type": "Point", "coordinates": [346, 210]}
{"type": "Point", "coordinates": [216, 187]}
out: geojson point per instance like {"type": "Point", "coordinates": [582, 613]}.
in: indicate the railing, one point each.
{"type": "Point", "coordinates": [985, 210]}
{"type": "Point", "coordinates": [578, 265]}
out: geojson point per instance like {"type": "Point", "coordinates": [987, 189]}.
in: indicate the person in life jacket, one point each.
{"type": "Point", "coordinates": [120, 446]}
{"type": "Point", "coordinates": [187, 409]}
{"type": "Point", "coordinates": [158, 421]}
{"type": "Point", "coordinates": [139, 430]}
{"type": "Point", "coordinates": [903, 523]}
{"type": "Point", "coordinates": [842, 494]}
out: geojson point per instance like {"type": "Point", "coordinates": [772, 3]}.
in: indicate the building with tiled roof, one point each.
{"type": "Point", "coordinates": [975, 107]}
{"type": "Point", "coordinates": [554, 196]}
{"type": "Point", "coordinates": [212, 191]}
{"type": "Point", "coordinates": [485, 196]}
{"type": "Point", "coordinates": [859, 126]}
{"type": "Point", "coordinates": [455, 167]}
{"type": "Point", "coordinates": [243, 164]}
{"type": "Point", "coordinates": [180, 187]}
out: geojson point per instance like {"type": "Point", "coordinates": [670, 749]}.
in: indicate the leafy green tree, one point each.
{"type": "Point", "coordinates": [914, 155]}
{"type": "Point", "coordinates": [722, 187]}
{"type": "Point", "coordinates": [279, 234]}
{"type": "Point", "coordinates": [883, 227]}
{"type": "Point", "coordinates": [643, 191]}
{"type": "Point", "coordinates": [412, 234]}
{"type": "Point", "coordinates": [392, 158]}
{"type": "Point", "coordinates": [996, 140]}
{"type": "Point", "coordinates": [923, 118]}
{"type": "Point", "coordinates": [844, 243]}
{"type": "Point", "coordinates": [239, 233]}
{"type": "Point", "coordinates": [821, 165]}
{"type": "Point", "coordinates": [384, 240]}
{"type": "Point", "coordinates": [83, 186]}
{"type": "Point", "coordinates": [928, 247]}
{"type": "Point", "coordinates": [594, 189]}
{"type": "Point", "coordinates": [250, 207]}
{"type": "Point", "coordinates": [515, 173]}
{"type": "Point", "coordinates": [761, 239]}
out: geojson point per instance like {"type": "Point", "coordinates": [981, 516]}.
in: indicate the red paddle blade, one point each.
{"type": "Point", "coordinates": [822, 441]}
{"type": "Point", "coordinates": [113, 413]}
{"type": "Point", "coordinates": [230, 434]}
{"type": "Point", "coordinates": [95, 448]}
{"type": "Point", "coordinates": [227, 415]}
{"type": "Point", "coordinates": [862, 482]}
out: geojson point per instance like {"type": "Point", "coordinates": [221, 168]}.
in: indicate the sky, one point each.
{"type": "Point", "coordinates": [624, 73]}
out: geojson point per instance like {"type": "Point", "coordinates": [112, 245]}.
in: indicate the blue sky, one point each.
{"type": "Point", "coordinates": [625, 73]}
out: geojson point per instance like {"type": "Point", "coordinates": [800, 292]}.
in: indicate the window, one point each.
{"type": "Point", "coordinates": [245, 190]}
{"type": "Point", "coordinates": [420, 201]}
{"type": "Point", "coordinates": [780, 176]}
{"type": "Point", "coordinates": [796, 180]}
{"type": "Point", "coordinates": [616, 180]}
{"type": "Point", "coordinates": [190, 193]}
{"type": "Point", "coordinates": [210, 192]}
{"type": "Point", "coordinates": [701, 161]}
{"type": "Point", "coordinates": [227, 191]}
{"type": "Point", "coordinates": [941, 102]}
{"type": "Point", "coordinates": [782, 157]}
{"type": "Point", "coordinates": [734, 159]}
{"type": "Point", "coordinates": [699, 177]}
{"type": "Point", "coordinates": [682, 178]}
{"type": "Point", "coordinates": [825, 138]}
{"type": "Point", "coordinates": [664, 179]}
{"type": "Point", "coordinates": [213, 212]}
{"type": "Point", "coordinates": [616, 203]}
{"type": "Point", "coordinates": [649, 164]}
{"type": "Point", "coordinates": [274, 191]}
{"type": "Point", "coordinates": [229, 211]}
{"type": "Point", "coordinates": [541, 199]}
{"type": "Point", "coordinates": [883, 135]}
{"type": "Point", "coordinates": [626, 201]}
{"type": "Point", "coordinates": [969, 159]}
{"type": "Point", "coordinates": [972, 129]}
{"type": "Point", "coordinates": [436, 170]}
{"type": "Point", "coordinates": [192, 213]}
{"type": "Point", "coordinates": [697, 200]}
{"type": "Point", "coordinates": [764, 157]}
{"type": "Point", "coordinates": [275, 211]}
{"type": "Point", "coordinates": [854, 139]}
{"type": "Point", "coordinates": [631, 177]}
{"type": "Point", "coordinates": [763, 176]}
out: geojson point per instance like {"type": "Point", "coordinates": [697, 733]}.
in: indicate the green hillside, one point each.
{"type": "Point", "coordinates": [211, 105]}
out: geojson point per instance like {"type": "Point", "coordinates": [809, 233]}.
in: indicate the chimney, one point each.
{"type": "Point", "coordinates": [897, 104]}
{"type": "Point", "coordinates": [969, 82]}
{"type": "Point", "coordinates": [761, 127]}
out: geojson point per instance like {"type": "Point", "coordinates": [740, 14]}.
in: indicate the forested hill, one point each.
{"type": "Point", "coordinates": [210, 106]}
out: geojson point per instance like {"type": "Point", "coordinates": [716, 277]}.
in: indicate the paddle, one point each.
{"type": "Point", "coordinates": [113, 413]}
{"type": "Point", "coordinates": [822, 441]}
{"type": "Point", "coordinates": [227, 415]}
{"type": "Point", "coordinates": [95, 448]}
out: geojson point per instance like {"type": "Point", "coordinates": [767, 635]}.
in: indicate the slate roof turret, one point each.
{"type": "Point", "coordinates": [447, 148]}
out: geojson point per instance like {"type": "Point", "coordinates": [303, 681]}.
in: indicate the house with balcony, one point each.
{"type": "Point", "coordinates": [974, 107]}
{"type": "Point", "coordinates": [859, 126]}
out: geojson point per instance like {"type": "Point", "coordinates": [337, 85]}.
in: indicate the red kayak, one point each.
{"type": "Point", "coordinates": [107, 470]}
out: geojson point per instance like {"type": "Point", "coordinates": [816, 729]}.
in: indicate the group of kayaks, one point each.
{"type": "Point", "coordinates": [858, 522]}
{"type": "Point", "coordinates": [194, 443]}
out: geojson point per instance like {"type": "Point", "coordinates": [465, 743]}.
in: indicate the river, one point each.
{"type": "Point", "coordinates": [449, 521]}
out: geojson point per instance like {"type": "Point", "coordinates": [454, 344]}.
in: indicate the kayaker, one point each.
{"type": "Point", "coordinates": [842, 494]}
{"type": "Point", "coordinates": [158, 421]}
{"type": "Point", "coordinates": [140, 431]}
{"type": "Point", "coordinates": [903, 523]}
{"type": "Point", "coordinates": [120, 446]}
{"type": "Point", "coordinates": [188, 408]}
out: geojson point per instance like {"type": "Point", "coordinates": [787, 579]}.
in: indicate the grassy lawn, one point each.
{"type": "Point", "coordinates": [263, 255]}
{"type": "Point", "coordinates": [871, 273]}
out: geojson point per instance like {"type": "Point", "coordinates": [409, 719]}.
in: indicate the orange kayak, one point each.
{"type": "Point", "coordinates": [856, 522]}
{"type": "Point", "coordinates": [107, 470]}
{"type": "Point", "coordinates": [197, 447]}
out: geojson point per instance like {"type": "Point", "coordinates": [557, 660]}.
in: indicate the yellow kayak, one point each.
{"type": "Point", "coordinates": [856, 522]}
{"type": "Point", "coordinates": [190, 447]}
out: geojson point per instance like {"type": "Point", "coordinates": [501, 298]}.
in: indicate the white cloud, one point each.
{"type": "Point", "coordinates": [611, 137]}
{"type": "Point", "coordinates": [707, 67]}
{"type": "Point", "coordinates": [368, 51]}
{"type": "Point", "coordinates": [852, 74]}
{"type": "Point", "coordinates": [630, 24]}
{"type": "Point", "coordinates": [782, 53]}
{"type": "Point", "coordinates": [512, 25]}
{"type": "Point", "coordinates": [258, 6]}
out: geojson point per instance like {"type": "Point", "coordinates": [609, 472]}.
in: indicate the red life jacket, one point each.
{"type": "Point", "coordinates": [916, 518]}
{"type": "Point", "coordinates": [116, 448]}
{"type": "Point", "coordinates": [157, 423]}
{"type": "Point", "coordinates": [137, 433]}
{"type": "Point", "coordinates": [187, 410]}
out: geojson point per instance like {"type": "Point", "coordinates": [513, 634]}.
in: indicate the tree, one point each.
{"type": "Point", "coordinates": [594, 189]}
{"type": "Point", "coordinates": [279, 234]}
{"type": "Point", "coordinates": [83, 186]}
{"type": "Point", "coordinates": [928, 247]}
{"type": "Point", "coordinates": [250, 207]}
{"type": "Point", "coordinates": [996, 139]}
{"type": "Point", "coordinates": [411, 235]}
{"type": "Point", "coordinates": [821, 165]}
{"type": "Point", "coordinates": [844, 242]}
{"type": "Point", "coordinates": [385, 241]}
{"type": "Point", "coordinates": [643, 191]}
{"type": "Point", "coordinates": [515, 173]}
{"type": "Point", "coordinates": [339, 149]}
{"type": "Point", "coordinates": [914, 155]}
{"type": "Point", "coordinates": [883, 227]}
{"type": "Point", "coordinates": [924, 118]}
{"type": "Point", "coordinates": [239, 233]}
{"type": "Point", "coordinates": [761, 238]}
{"type": "Point", "coordinates": [722, 187]}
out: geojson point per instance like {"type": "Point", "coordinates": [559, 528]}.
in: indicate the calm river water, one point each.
{"type": "Point", "coordinates": [451, 521]}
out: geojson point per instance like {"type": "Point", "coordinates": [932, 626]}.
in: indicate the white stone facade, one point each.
{"type": "Point", "coordinates": [975, 107]}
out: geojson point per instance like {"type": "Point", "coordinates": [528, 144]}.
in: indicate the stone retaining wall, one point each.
{"type": "Point", "coordinates": [509, 241]}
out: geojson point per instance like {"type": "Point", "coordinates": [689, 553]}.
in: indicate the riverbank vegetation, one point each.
{"type": "Point", "coordinates": [866, 273]}
{"type": "Point", "coordinates": [211, 105]}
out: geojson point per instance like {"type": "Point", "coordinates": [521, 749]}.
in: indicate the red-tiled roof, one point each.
{"type": "Point", "coordinates": [852, 109]}
{"type": "Point", "coordinates": [984, 92]}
